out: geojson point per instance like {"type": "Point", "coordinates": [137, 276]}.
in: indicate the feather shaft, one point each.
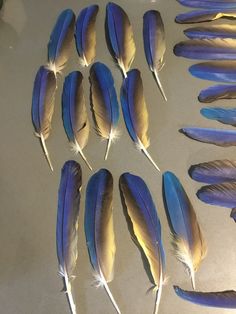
{"type": "Point", "coordinates": [160, 85]}
{"type": "Point", "coordinates": [45, 150]}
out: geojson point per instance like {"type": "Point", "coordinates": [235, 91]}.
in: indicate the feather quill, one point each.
{"type": "Point", "coordinates": [74, 113]}
{"type": "Point", "coordinates": [99, 231]}
{"type": "Point", "coordinates": [67, 225]}
{"type": "Point", "coordinates": [213, 172]}
{"type": "Point", "coordinates": [141, 213]}
{"type": "Point", "coordinates": [209, 4]}
{"type": "Point", "coordinates": [85, 34]}
{"type": "Point", "coordinates": [221, 71]}
{"type": "Point", "coordinates": [120, 37]}
{"type": "Point", "coordinates": [226, 116]}
{"type": "Point", "coordinates": [217, 92]}
{"type": "Point", "coordinates": [135, 112]}
{"type": "Point", "coordinates": [43, 106]}
{"type": "Point", "coordinates": [212, 31]}
{"type": "Point", "coordinates": [104, 101]}
{"type": "Point", "coordinates": [218, 137]}
{"type": "Point", "coordinates": [222, 299]}
{"type": "Point", "coordinates": [61, 40]}
{"type": "Point", "coordinates": [154, 44]}
{"type": "Point", "coordinates": [188, 242]}
{"type": "Point", "coordinates": [199, 16]}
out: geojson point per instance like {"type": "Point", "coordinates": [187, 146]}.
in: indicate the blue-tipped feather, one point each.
{"type": "Point", "coordinates": [189, 245]}
{"type": "Point", "coordinates": [226, 116]}
{"type": "Point", "coordinates": [212, 31]}
{"type": "Point", "coordinates": [221, 71]}
{"type": "Point", "coordinates": [217, 92]}
{"type": "Point", "coordinates": [212, 136]}
{"type": "Point", "coordinates": [209, 4]}
{"type": "Point", "coordinates": [67, 224]}
{"type": "Point", "coordinates": [85, 34]}
{"type": "Point", "coordinates": [222, 299]}
{"type": "Point", "coordinates": [104, 103]}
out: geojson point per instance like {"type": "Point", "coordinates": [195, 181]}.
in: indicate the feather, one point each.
{"type": "Point", "coordinates": [198, 16]}
{"type": "Point", "coordinates": [209, 4]}
{"type": "Point", "coordinates": [74, 113]}
{"type": "Point", "coordinates": [221, 71]}
{"type": "Point", "coordinates": [223, 194]}
{"type": "Point", "coordinates": [188, 242]}
{"type": "Point", "coordinates": [120, 37]}
{"type": "Point", "coordinates": [61, 40]}
{"type": "Point", "coordinates": [154, 44]}
{"type": "Point", "coordinates": [85, 34]}
{"type": "Point", "coordinates": [207, 49]}
{"type": "Point", "coordinates": [135, 112]}
{"type": "Point", "coordinates": [233, 214]}
{"type": "Point", "coordinates": [217, 92]}
{"type": "Point", "coordinates": [226, 116]}
{"type": "Point", "coordinates": [222, 299]}
{"type": "Point", "coordinates": [99, 231]}
{"type": "Point", "coordinates": [145, 225]}
{"type": "Point", "coordinates": [105, 105]}
{"type": "Point", "coordinates": [43, 106]}
{"type": "Point", "coordinates": [212, 31]}
{"type": "Point", "coordinates": [213, 172]}
{"type": "Point", "coordinates": [67, 224]}
{"type": "Point", "coordinates": [218, 137]}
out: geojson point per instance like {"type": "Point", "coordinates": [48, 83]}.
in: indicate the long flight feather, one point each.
{"type": "Point", "coordinates": [188, 242]}
{"type": "Point", "coordinates": [43, 106]}
{"type": "Point", "coordinates": [217, 92]}
{"type": "Point", "coordinates": [223, 115]}
{"type": "Point", "coordinates": [199, 16]}
{"type": "Point", "coordinates": [67, 225]}
{"type": "Point", "coordinates": [154, 44]}
{"type": "Point", "coordinates": [104, 101]}
{"type": "Point", "coordinates": [120, 37]}
{"type": "Point", "coordinates": [141, 214]}
{"type": "Point", "coordinates": [61, 40]}
{"type": "Point", "coordinates": [99, 231]}
{"type": "Point", "coordinates": [213, 172]}
{"type": "Point", "coordinates": [74, 113]}
{"type": "Point", "coordinates": [212, 31]}
{"type": "Point", "coordinates": [85, 34]}
{"type": "Point", "coordinates": [135, 112]}
{"type": "Point", "coordinates": [209, 4]}
{"type": "Point", "coordinates": [218, 137]}
{"type": "Point", "coordinates": [222, 299]}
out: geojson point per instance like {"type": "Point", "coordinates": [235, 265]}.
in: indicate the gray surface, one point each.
{"type": "Point", "coordinates": [28, 274]}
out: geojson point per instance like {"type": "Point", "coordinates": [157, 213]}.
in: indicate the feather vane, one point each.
{"type": "Point", "coordinates": [223, 115]}
{"type": "Point", "coordinates": [209, 4]}
{"type": "Point", "coordinates": [213, 31]}
{"type": "Point", "coordinates": [217, 92]}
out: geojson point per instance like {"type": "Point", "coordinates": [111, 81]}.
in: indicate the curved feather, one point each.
{"type": "Point", "coordinates": [67, 224]}
{"type": "Point", "coordinates": [209, 4]}
{"type": "Point", "coordinates": [43, 106]}
{"type": "Point", "coordinates": [217, 92]}
{"type": "Point", "coordinates": [120, 37]}
{"type": "Point", "coordinates": [218, 137]}
{"type": "Point", "coordinates": [105, 105]}
{"type": "Point", "coordinates": [146, 227]}
{"type": "Point", "coordinates": [217, 171]}
{"type": "Point", "coordinates": [198, 16]}
{"type": "Point", "coordinates": [74, 113]}
{"type": "Point", "coordinates": [221, 71]}
{"type": "Point", "coordinates": [154, 44]}
{"type": "Point", "coordinates": [188, 242]}
{"type": "Point", "coordinates": [226, 116]}
{"type": "Point", "coordinates": [222, 299]}
{"type": "Point", "coordinates": [212, 31]}
{"type": "Point", "coordinates": [99, 231]}
{"type": "Point", "coordinates": [233, 214]}
{"type": "Point", "coordinates": [135, 112]}
{"type": "Point", "coordinates": [85, 34]}
{"type": "Point", "coordinates": [207, 49]}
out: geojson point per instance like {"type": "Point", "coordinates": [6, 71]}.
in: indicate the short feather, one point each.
{"type": "Point", "coordinates": [209, 4]}
{"type": "Point", "coordinates": [217, 92]}
{"type": "Point", "coordinates": [223, 115]}
{"type": "Point", "coordinates": [212, 31]}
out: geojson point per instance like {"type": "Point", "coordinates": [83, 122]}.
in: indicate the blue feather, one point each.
{"type": "Point", "coordinates": [67, 224]}
{"type": "Point", "coordinates": [212, 136]}
{"type": "Point", "coordinates": [217, 92]}
{"type": "Point", "coordinates": [224, 71]}
{"type": "Point", "coordinates": [226, 116]}
{"type": "Point", "coordinates": [85, 34]}
{"type": "Point", "coordinates": [61, 40]}
{"type": "Point", "coordinates": [222, 299]}
{"type": "Point", "coordinates": [209, 4]}
{"type": "Point", "coordinates": [213, 31]}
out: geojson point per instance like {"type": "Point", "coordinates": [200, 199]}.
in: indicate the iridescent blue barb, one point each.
{"type": "Point", "coordinates": [217, 92]}
{"type": "Point", "coordinates": [223, 115]}
{"type": "Point", "coordinates": [209, 4]}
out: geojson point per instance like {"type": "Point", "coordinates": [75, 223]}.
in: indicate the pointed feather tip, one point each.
{"type": "Point", "coordinates": [233, 214]}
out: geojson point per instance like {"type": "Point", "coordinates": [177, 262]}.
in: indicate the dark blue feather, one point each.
{"type": "Point", "coordinates": [221, 71]}
{"type": "Point", "coordinates": [226, 116]}
{"type": "Point", "coordinates": [209, 4]}
{"type": "Point", "coordinates": [213, 31]}
{"type": "Point", "coordinates": [217, 92]}
{"type": "Point", "coordinates": [223, 299]}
